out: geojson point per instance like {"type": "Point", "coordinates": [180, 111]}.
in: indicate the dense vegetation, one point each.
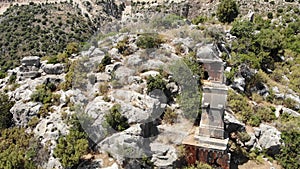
{"type": "Point", "coordinates": [6, 118]}
{"type": "Point", "coordinates": [19, 149]}
{"type": "Point", "coordinates": [73, 146]}
{"type": "Point", "coordinates": [272, 48]}
{"type": "Point", "coordinates": [40, 29]}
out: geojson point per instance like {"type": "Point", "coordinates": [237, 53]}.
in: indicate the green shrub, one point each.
{"type": "Point", "coordinates": [227, 11]}
{"type": "Point", "coordinates": [289, 154]}
{"type": "Point", "coordinates": [270, 15]}
{"type": "Point", "coordinates": [6, 118]}
{"type": "Point", "coordinates": [12, 79]}
{"type": "Point", "coordinates": [193, 65]}
{"type": "Point", "coordinates": [242, 29]}
{"type": "Point", "coordinates": [151, 40]}
{"type": "Point", "coordinates": [265, 113]}
{"type": "Point", "coordinates": [200, 165]}
{"type": "Point", "coordinates": [156, 82]}
{"type": "Point", "coordinates": [19, 149]}
{"type": "Point", "coordinates": [243, 136]}
{"type": "Point", "coordinates": [239, 105]}
{"type": "Point", "coordinates": [33, 122]}
{"type": "Point", "coordinates": [104, 62]}
{"type": "Point", "coordinates": [123, 47]}
{"type": "Point", "coordinates": [254, 120]}
{"type": "Point", "coordinates": [115, 119]}
{"type": "Point", "coordinates": [199, 19]}
{"type": "Point", "coordinates": [289, 103]}
{"type": "Point", "coordinates": [67, 84]}
{"type": "Point", "coordinates": [71, 147]}
{"type": "Point", "coordinates": [42, 94]}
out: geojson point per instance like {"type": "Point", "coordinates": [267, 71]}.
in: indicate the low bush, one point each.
{"type": "Point", "coordinates": [42, 94]}
{"type": "Point", "coordinates": [123, 47]}
{"type": "Point", "coordinates": [115, 119]}
{"type": "Point", "coordinates": [104, 62]}
{"type": "Point", "coordinates": [19, 149]}
{"type": "Point", "coordinates": [199, 19]}
{"type": "Point", "coordinates": [71, 147]}
{"type": "Point", "coordinates": [156, 82]}
{"type": "Point", "coordinates": [150, 40]}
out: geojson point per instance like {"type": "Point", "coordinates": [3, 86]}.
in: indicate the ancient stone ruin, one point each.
{"type": "Point", "coordinates": [209, 143]}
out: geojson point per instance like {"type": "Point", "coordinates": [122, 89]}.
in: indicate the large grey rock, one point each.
{"type": "Point", "coordinates": [111, 68]}
{"type": "Point", "coordinates": [257, 132]}
{"type": "Point", "coordinates": [188, 42]}
{"type": "Point", "coordinates": [97, 53]}
{"type": "Point", "coordinates": [29, 74]}
{"type": "Point", "coordinates": [277, 93]}
{"type": "Point", "coordinates": [22, 93]}
{"type": "Point", "coordinates": [164, 156]}
{"type": "Point", "coordinates": [134, 61]}
{"type": "Point", "coordinates": [152, 65]}
{"type": "Point", "coordinates": [270, 139]}
{"type": "Point", "coordinates": [242, 77]}
{"type": "Point", "coordinates": [102, 77]}
{"type": "Point", "coordinates": [232, 124]}
{"type": "Point", "coordinates": [53, 68]}
{"type": "Point", "coordinates": [126, 145]}
{"type": "Point", "coordinates": [295, 98]}
{"type": "Point", "coordinates": [239, 84]}
{"type": "Point", "coordinates": [152, 73]}
{"type": "Point", "coordinates": [31, 61]}
{"type": "Point", "coordinates": [208, 51]}
{"type": "Point", "coordinates": [139, 107]}
{"type": "Point", "coordinates": [96, 111]}
{"type": "Point", "coordinates": [23, 112]}
{"type": "Point", "coordinates": [88, 52]}
{"type": "Point", "coordinates": [50, 128]}
{"type": "Point", "coordinates": [280, 110]}
{"type": "Point", "coordinates": [123, 73]}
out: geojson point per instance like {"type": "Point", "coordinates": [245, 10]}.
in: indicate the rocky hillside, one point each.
{"type": "Point", "coordinates": [128, 96]}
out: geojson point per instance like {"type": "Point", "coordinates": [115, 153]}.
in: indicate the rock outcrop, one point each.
{"type": "Point", "coordinates": [269, 139]}
{"type": "Point", "coordinates": [53, 68]}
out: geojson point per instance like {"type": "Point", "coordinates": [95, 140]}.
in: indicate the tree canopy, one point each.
{"type": "Point", "coordinates": [227, 11]}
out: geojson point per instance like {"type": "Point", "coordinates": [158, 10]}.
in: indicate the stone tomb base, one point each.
{"type": "Point", "coordinates": [207, 150]}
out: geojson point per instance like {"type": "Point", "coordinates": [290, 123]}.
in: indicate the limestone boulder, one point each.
{"type": "Point", "coordinates": [126, 145]}
{"type": "Point", "coordinates": [50, 128]}
{"type": "Point", "coordinates": [270, 139]}
{"type": "Point", "coordinates": [23, 112]}
{"type": "Point", "coordinates": [55, 69]}
{"type": "Point", "coordinates": [238, 84]}
{"type": "Point", "coordinates": [138, 107]}
{"type": "Point", "coordinates": [31, 61]}
{"type": "Point", "coordinates": [123, 73]}
{"type": "Point", "coordinates": [232, 124]}
{"type": "Point", "coordinates": [164, 156]}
